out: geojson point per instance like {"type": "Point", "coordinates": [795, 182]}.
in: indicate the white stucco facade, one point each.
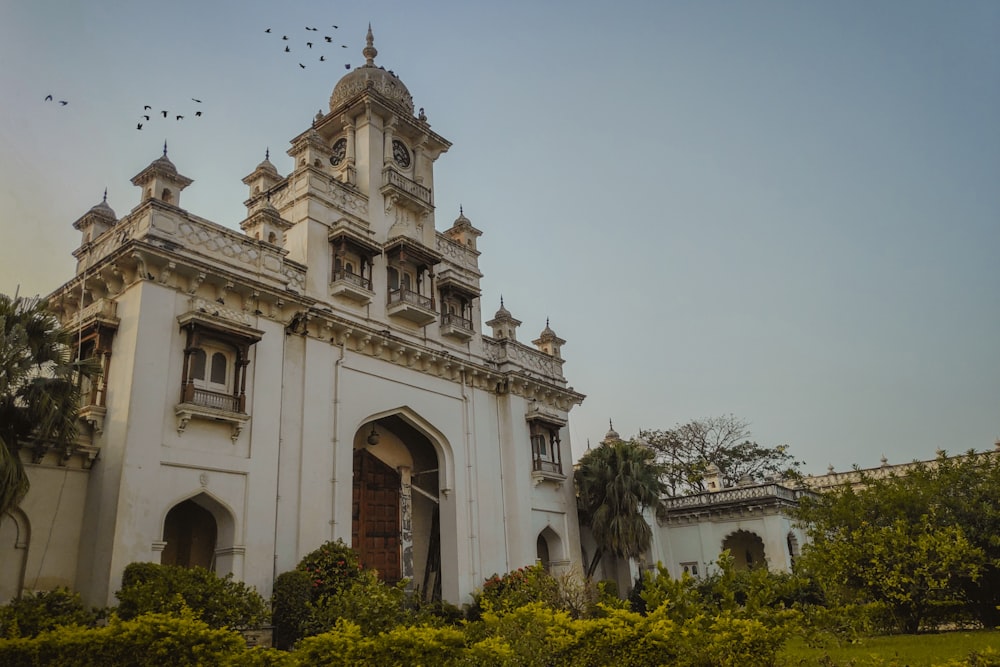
{"type": "Point", "coordinates": [301, 380]}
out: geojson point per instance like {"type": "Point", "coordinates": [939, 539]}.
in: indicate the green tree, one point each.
{"type": "Point", "coordinates": [39, 389]}
{"type": "Point", "coordinates": [922, 544]}
{"type": "Point", "coordinates": [686, 451]}
{"type": "Point", "coordinates": [615, 483]}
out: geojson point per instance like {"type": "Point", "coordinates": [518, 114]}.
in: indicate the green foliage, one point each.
{"type": "Point", "coordinates": [686, 451]}
{"type": "Point", "coordinates": [332, 567]}
{"type": "Point", "coordinates": [33, 613]}
{"type": "Point", "coordinates": [39, 388]}
{"type": "Point", "coordinates": [515, 589]}
{"type": "Point", "coordinates": [290, 607]}
{"type": "Point", "coordinates": [367, 601]}
{"type": "Point", "coordinates": [345, 645]}
{"type": "Point", "coordinates": [924, 546]}
{"type": "Point", "coordinates": [615, 483]}
{"type": "Point", "coordinates": [219, 602]}
{"type": "Point", "coordinates": [150, 640]}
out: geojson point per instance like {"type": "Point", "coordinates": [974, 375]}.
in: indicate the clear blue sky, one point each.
{"type": "Point", "coordinates": [787, 211]}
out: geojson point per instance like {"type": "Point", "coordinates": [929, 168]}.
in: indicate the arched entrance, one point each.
{"type": "Point", "coordinates": [549, 550]}
{"type": "Point", "coordinates": [395, 523]}
{"type": "Point", "coordinates": [190, 534]}
{"type": "Point", "coordinates": [746, 548]}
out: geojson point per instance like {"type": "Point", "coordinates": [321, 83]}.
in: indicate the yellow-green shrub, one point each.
{"type": "Point", "coordinates": [148, 640]}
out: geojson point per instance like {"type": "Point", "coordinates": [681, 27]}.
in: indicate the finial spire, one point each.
{"type": "Point", "coordinates": [501, 300]}
{"type": "Point", "coordinates": [460, 211]}
{"type": "Point", "coordinates": [611, 427]}
{"type": "Point", "coordinates": [105, 195]}
{"type": "Point", "coordinates": [546, 323]}
{"type": "Point", "coordinates": [369, 52]}
{"type": "Point", "coordinates": [164, 148]}
{"type": "Point", "coordinates": [267, 153]}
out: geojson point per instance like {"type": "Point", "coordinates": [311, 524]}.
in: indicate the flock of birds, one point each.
{"type": "Point", "coordinates": [148, 115]}
{"type": "Point", "coordinates": [309, 44]}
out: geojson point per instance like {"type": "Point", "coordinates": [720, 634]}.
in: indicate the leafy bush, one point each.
{"type": "Point", "coordinates": [332, 567]}
{"type": "Point", "coordinates": [290, 607]}
{"type": "Point", "coordinates": [36, 612]}
{"type": "Point", "coordinates": [367, 601]}
{"type": "Point", "coordinates": [150, 640]}
{"type": "Point", "coordinates": [219, 602]}
{"type": "Point", "coordinates": [515, 589]}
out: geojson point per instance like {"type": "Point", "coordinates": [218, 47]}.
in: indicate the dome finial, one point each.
{"type": "Point", "coordinates": [105, 195]}
{"type": "Point", "coordinates": [501, 300]}
{"type": "Point", "coordinates": [164, 148]}
{"type": "Point", "coordinates": [460, 211]}
{"type": "Point", "coordinates": [369, 52]}
{"type": "Point", "coordinates": [267, 153]}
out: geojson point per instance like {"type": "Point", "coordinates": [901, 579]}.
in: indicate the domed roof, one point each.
{"type": "Point", "coordinates": [102, 209]}
{"type": "Point", "coordinates": [369, 75]}
{"type": "Point", "coordinates": [612, 434]}
{"type": "Point", "coordinates": [502, 312]}
{"type": "Point", "coordinates": [266, 163]}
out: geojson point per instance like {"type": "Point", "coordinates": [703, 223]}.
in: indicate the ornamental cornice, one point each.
{"type": "Point", "coordinates": [458, 254]}
{"type": "Point", "coordinates": [322, 324]}
{"type": "Point", "coordinates": [523, 357]}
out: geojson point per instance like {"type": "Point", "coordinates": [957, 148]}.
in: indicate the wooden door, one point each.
{"type": "Point", "coordinates": [375, 516]}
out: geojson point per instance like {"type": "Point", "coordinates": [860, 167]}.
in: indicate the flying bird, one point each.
{"type": "Point", "coordinates": [147, 108]}
{"type": "Point", "coordinates": [302, 66]}
{"type": "Point", "coordinates": [329, 39]}
{"type": "Point", "coordinates": [180, 118]}
{"type": "Point", "coordinates": [48, 98]}
{"type": "Point", "coordinates": [309, 44]}
{"type": "Point", "coordinates": [63, 102]}
{"type": "Point", "coordinates": [313, 29]}
{"type": "Point", "coordinates": [334, 27]}
{"type": "Point", "coordinates": [197, 113]}
{"type": "Point", "coordinates": [347, 66]}
{"type": "Point", "coordinates": [321, 58]}
{"type": "Point", "coordinates": [268, 30]}
{"type": "Point", "coordinates": [343, 46]}
{"type": "Point", "coordinates": [198, 101]}
{"type": "Point", "coordinates": [287, 50]}
{"type": "Point", "coordinates": [138, 126]}
{"type": "Point", "coordinates": [145, 116]}
{"type": "Point", "coordinates": [284, 37]}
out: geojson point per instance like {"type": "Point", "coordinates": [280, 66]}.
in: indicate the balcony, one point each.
{"type": "Point", "coordinates": [211, 406]}
{"type": "Point", "coordinates": [410, 305]}
{"type": "Point", "coordinates": [544, 470]}
{"type": "Point", "coordinates": [456, 326]}
{"type": "Point", "coordinates": [351, 286]}
{"type": "Point", "coordinates": [406, 193]}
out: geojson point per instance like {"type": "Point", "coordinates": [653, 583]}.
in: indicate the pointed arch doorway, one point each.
{"type": "Point", "coordinates": [395, 514]}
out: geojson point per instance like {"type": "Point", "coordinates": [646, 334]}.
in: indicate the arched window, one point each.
{"type": "Point", "coordinates": [167, 195]}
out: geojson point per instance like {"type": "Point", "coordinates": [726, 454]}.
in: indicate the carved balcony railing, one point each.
{"type": "Point", "coordinates": [352, 286]}
{"type": "Point", "coordinates": [411, 306]}
{"type": "Point", "coordinates": [395, 180]}
{"type": "Point", "coordinates": [352, 278]}
{"type": "Point", "coordinates": [543, 465]}
{"type": "Point", "coordinates": [403, 295]}
{"type": "Point", "coordinates": [211, 399]}
{"type": "Point", "coordinates": [456, 326]}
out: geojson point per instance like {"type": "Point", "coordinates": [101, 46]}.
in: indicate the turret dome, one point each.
{"type": "Point", "coordinates": [369, 75]}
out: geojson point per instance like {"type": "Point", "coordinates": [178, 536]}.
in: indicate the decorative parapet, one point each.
{"type": "Point", "coordinates": [458, 254]}
{"type": "Point", "coordinates": [738, 494]}
{"type": "Point", "coordinates": [173, 231]}
{"type": "Point", "coordinates": [745, 501]}
{"type": "Point", "coordinates": [514, 354]}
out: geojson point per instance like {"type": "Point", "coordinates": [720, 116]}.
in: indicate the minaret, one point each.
{"type": "Point", "coordinates": [548, 342]}
{"type": "Point", "coordinates": [96, 221]}
{"type": "Point", "coordinates": [504, 324]}
{"type": "Point", "coordinates": [161, 181]}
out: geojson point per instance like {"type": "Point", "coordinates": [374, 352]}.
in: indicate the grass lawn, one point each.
{"type": "Point", "coordinates": [930, 650]}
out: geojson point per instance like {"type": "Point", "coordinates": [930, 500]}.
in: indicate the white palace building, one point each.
{"type": "Point", "coordinates": [322, 374]}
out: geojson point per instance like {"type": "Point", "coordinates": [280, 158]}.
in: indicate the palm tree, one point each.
{"type": "Point", "coordinates": [615, 482]}
{"type": "Point", "coordinates": [39, 388]}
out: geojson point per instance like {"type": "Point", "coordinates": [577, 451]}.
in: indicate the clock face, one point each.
{"type": "Point", "coordinates": [339, 151]}
{"type": "Point", "coordinates": [400, 154]}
